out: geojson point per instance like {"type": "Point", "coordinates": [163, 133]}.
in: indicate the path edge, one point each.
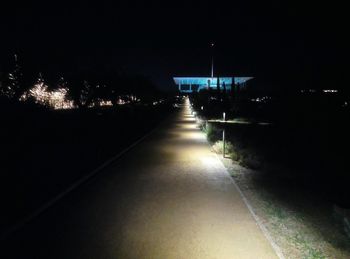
{"type": "Point", "coordinates": [264, 230]}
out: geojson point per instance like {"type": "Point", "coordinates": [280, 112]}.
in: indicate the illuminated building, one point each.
{"type": "Point", "coordinates": [195, 84]}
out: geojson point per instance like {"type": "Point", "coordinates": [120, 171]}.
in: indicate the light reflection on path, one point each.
{"type": "Point", "coordinates": [187, 206]}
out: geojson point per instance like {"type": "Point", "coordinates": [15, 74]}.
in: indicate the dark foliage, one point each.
{"type": "Point", "coordinates": [85, 86]}
{"type": "Point", "coordinates": [308, 136]}
{"type": "Point", "coordinates": [44, 151]}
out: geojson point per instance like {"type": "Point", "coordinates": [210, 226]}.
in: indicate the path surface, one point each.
{"type": "Point", "coordinates": [169, 197]}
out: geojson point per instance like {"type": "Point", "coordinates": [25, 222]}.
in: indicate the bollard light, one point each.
{"type": "Point", "coordinates": [223, 135]}
{"type": "Point", "coordinates": [223, 143]}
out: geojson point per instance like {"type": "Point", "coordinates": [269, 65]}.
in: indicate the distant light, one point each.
{"type": "Point", "coordinates": [55, 99]}
{"type": "Point", "coordinates": [106, 103]}
{"type": "Point", "coordinates": [263, 99]}
{"type": "Point", "coordinates": [209, 161]}
{"type": "Point", "coordinates": [202, 108]}
{"type": "Point", "coordinates": [224, 116]}
{"type": "Point", "coordinates": [330, 91]}
{"type": "Point", "coordinates": [308, 91]}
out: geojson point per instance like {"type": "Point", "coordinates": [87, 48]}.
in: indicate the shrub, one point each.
{"type": "Point", "coordinates": [218, 148]}
{"type": "Point", "coordinates": [235, 156]}
{"type": "Point", "coordinates": [250, 159]}
{"type": "Point", "coordinates": [213, 133]}
{"type": "Point", "coordinates": [201, 123]}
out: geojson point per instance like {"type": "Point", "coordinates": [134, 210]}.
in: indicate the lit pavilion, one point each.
{"type": "Point", "coordinates": [195, 84]}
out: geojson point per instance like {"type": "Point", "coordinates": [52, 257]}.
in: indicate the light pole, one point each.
{"type": "Point", "coordinates": [212, 59]}
{"type": "Point", "coordinates": [223, 135]}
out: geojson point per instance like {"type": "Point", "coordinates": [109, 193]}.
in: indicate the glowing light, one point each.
{"type": "Point", "coordinates": [189, 84]}
{"type": "Point", "coordinates": [189, 119]}
{"type": "Point", "coordinates": [100, 103]}
{"type": "Point", "coordinates": [330, 91]}
{"type": "Point", "coordinates": [263, 99]}
{"type": "Point", "coordinates": [195, 135]}
{"type": "Point", "coordinates": [106, 103]}
{"type": "Point", "coordinates": [308, 91]}
{"type": "Point", "coordinates": [120, 101]}
{"type": "Point", "coordinates": [188, 126]}
{"type": "Point", "coordinates": [126, 99]}
{"type": "Point", "coordinates": [55, 99]}
{"type": "Point", "coordinates": [209, 161]}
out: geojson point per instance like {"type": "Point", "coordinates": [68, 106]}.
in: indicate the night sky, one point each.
{"type": "Point", "coordinates": [269, 39]}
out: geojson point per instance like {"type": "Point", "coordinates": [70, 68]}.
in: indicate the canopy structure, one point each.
{"type": "Point", "coordinates": [195, 84]}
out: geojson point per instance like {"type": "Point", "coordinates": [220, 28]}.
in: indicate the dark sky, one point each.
{"type": "Point", "coordinates": [160, 39]}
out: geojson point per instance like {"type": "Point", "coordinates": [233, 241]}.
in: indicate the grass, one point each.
{"type": "Point", "coordinates": [300, 222]}
{"type": "Point", "coordinates": [234, 149]}
{"type": "Point", "coordinates": [293, 171]}
{"type": "Point", "coordinates": [212, 132]}
{"type": "Point", "coordinates": [301, 153]}
{"type": "Point", "coordinates": [218, 148]}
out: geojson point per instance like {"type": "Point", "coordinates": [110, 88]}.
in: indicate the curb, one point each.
{"type": "Point", "coordinates": [266, 233]}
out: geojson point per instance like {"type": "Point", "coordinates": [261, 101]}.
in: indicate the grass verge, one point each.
{"type": "Point", "coordinates": [300, 220]}
{"type": "Point", "coordinates": [300, 223]}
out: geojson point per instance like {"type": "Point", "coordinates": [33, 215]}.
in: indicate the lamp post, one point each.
{"type": "Point", "coordinates": [212, 59]}
{"type": "Point", "coordinates": [223, 134]}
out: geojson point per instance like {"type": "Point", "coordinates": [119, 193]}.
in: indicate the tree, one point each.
{"type": "Point", "coordinates": [224, 87]}
{"type": "Point", "coordinates": [81, 91]}
{"type": "Point", "coordinates": [62, 83]}
{"type": "Point", "coordinates": [40, 79]}
{"type": "Point", "coordinates": [12, 87]}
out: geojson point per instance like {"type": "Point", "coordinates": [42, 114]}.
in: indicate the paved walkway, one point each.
{"type": "Point", "coordinates": [169, 197]}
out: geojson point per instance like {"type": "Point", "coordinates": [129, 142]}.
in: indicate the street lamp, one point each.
{"type": "Point", "coordinates": [223, 134]}
{"type": "Point", "coordinates": [212, 59]}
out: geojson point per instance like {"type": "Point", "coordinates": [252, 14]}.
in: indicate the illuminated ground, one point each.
{"type": "Point", "coordinates": [170, 197]}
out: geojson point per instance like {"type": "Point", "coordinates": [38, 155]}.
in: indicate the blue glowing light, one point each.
{"type": "Point", "coordinates": [194, 84]}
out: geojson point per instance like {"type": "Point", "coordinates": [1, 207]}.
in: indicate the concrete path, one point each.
{"type": "Point", "coordinates": [169, 197]}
